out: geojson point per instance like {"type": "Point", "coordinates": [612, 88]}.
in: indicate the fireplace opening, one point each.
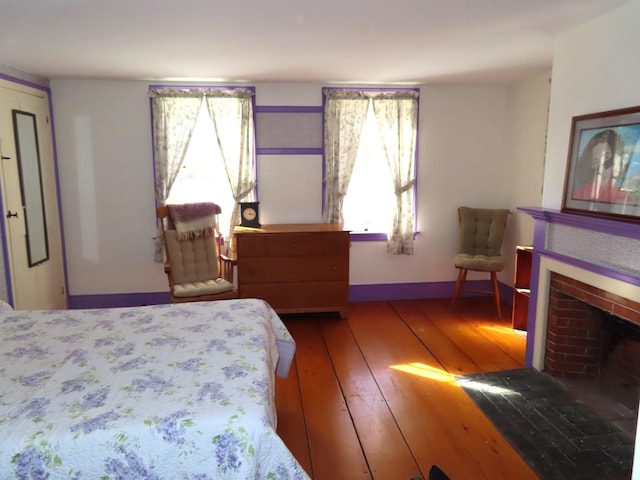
{"type": "Point", "coordinates": [593, 348]}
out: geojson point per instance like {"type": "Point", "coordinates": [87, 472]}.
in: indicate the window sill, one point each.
{"type": "Point", "coordinates": [371, 236]}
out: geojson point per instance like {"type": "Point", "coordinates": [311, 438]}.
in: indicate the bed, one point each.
{"type": "Point", "coordinates": [159, 392]}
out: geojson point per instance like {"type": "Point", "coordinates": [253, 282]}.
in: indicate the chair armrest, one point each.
{"type": "Point", "coordinates": [226, 267]}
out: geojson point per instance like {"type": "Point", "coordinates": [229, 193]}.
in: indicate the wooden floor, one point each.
{"type": "Point", "coordinates": [372, 397]}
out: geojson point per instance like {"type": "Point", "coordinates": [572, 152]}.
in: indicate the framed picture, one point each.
{"type": "Point", "coordinates": [603, 169]}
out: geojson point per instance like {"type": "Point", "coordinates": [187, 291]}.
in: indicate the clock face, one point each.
{"type": "Point", "coordinates": [249, 213]}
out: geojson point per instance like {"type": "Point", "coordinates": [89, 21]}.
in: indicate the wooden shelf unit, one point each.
{"type": "Point", "coordinates": [521, 287]}
{"type": "Point", "coordinates": [296, 268]}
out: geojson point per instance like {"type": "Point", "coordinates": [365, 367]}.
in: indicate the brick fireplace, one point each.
{"type": "Point", "coordinates": [599, 259]}
{"type": "Point", "coordinates": [592, 334]}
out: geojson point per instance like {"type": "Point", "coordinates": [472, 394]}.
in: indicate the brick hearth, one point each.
{"type": "Point", "coordinates": [583, 341]}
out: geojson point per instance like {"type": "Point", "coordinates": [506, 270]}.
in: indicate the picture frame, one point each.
{"type": "Point", "coordinates": [602, 178]}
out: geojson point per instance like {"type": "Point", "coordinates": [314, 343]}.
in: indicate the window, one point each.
{"type": "Point", "coordinates": [203, 144]}
{"type": "Point", "coordinates": [202, 176]}
{"type": "Point", "coordinates": [370, 150]}
{"type": "Point", "coordinates": [369, 202]}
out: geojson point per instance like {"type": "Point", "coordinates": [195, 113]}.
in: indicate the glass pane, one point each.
{"type": "Point", "coordinates": [24, 125]}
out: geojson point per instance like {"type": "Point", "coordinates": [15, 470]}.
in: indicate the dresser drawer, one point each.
{"type": "Point", "coordinates": [294, 245]}
{"type": "Point", "coordinates": [293, 269]}
{"type": "Point", "coordinates": [308, 296]}
{"type": "Point", "coordinates": [251, 245]}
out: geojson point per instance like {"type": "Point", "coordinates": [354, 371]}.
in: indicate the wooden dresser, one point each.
{"type": "Point", "coordinates": [295, 267]}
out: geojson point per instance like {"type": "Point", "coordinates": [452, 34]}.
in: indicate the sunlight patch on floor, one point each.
{"type": "Point", "coordinates": [505, 330]}
{"type": "Point", "coordinates": [433, 373]}
{"type": "Point", "coordinates": [483, 387]}
{"type": "Point", "coordinates": [426, 371]}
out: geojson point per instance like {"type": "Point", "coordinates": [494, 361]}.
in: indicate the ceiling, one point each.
{"type": "Point", "coordinates": [341, 41]}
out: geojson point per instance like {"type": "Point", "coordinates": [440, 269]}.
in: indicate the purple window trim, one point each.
{"type": "Point", "coordinates": [288, 109]}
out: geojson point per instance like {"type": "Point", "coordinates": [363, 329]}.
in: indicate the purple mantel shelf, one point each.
{"type": "Point", "coordinates": [602, 225]}
{"type": "Point", "coordinates": [543, 216]}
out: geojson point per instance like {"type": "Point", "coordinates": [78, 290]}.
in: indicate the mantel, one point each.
{"type": "Point", "coordinates": [544, 216]}
{"type": "Point", "coordinates": [602, 225]}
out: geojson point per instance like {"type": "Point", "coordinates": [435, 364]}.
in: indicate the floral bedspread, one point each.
{"type": "Point", "coordinates": [160, 392]}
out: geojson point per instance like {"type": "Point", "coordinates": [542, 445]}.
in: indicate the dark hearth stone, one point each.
{"type": "Point", "coordinates": [556, 435]}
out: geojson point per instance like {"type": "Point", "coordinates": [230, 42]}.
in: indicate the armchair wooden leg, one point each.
{"type": "Point", "coordinates": [462, 277]}
{"type": "Point", "coordinates": [496, 292]}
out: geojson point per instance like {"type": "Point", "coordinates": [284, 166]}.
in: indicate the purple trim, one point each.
{"type": "Point", "coordinates": [118, 300]}
{"type": "Point", "coordinates": [26, 83]}
{"type": "Point", "coordinates": [612, 227]}
{"type": "Point", "coordinates": [357, 293]}
{"type": "Point", "coordinates": [288, 109]}
{"type": "Point", "coordinates": [368, 237]}
{"type": "Point", "coordinates": [372, 89]}
{"type": "Point", "coordinates": [289, 151]}
{"type": "Point", "coordinates": [58, 196]}
{"type": "Point", "coordinates": [213, 87]}
{"type": "Point", "coordinates": [400, 291]}
{"type": "Point", "coordinates": [598, 269]}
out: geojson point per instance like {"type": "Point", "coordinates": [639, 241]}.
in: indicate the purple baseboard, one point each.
{"type": "Point", "coordinates": [357, 293]}
{"type": "Point", "coordinates": [117, 300]}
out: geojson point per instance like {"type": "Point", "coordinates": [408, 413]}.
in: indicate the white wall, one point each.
{"type": "Point", "coordinates": [467, 140]}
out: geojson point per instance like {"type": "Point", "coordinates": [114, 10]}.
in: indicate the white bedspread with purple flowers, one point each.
{"type": "Point", "coordinates": [160, 392]}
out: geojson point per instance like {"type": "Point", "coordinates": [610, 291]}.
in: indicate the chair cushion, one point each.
{"type": "Point", "coordinates": [481, 230]}
{"type": "Point", "coordinates": [192, 260]}
{"type": "Point", "coordinates": [483, 263]}
{"type": "Point", "coordinates": [208, 287]}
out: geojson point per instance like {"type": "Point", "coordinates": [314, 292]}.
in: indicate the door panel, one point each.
{"type": "Point", "coordinates": [40, 286]}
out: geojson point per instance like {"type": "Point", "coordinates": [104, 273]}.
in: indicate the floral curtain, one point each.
{"type": "Point", "coordinates": [397, 118]}
{"type": "Point", "coordinates": [174, 114]}
{"type": "Point", "coordinates": [232, 114]}
{"type": "Point", "coordinates": [344, 115]}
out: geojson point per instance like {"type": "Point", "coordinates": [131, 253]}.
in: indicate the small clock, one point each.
{"type": "Point", "coordinates": [249, 214]}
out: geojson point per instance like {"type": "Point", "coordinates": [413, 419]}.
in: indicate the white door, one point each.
{"type": "Point", "coordinates": [31, 215]}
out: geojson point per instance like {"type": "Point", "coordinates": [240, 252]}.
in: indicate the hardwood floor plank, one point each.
{"type": "Point", "coordinates": [291, 425]}
{"type": "Point", "coordinates": [334, 445]}
{"type": "Point", "coordinates": [387, 453]}
{"type": "Point", "coordinates": [441, 423]}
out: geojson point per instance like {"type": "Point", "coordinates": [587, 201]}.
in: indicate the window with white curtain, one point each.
{"type": "Point", "coordinates": [204, 149]}
{"type": "Point", "coordinates": [370, 162]}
